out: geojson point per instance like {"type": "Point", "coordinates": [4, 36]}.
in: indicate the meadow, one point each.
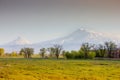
{"type": "Point", "coordinates": [52, 69]}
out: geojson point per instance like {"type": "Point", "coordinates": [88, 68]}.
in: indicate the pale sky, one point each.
{"type": "Point", "coordinates": [41, 20]}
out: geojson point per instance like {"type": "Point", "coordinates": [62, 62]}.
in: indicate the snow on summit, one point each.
{"type": "Point", "coordinates": [19, 41]}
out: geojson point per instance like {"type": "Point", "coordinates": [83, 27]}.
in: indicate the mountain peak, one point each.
{"type": "Point", "coordinates": [80, 32]}
{"type": "Point", "coordinates": [81, 29]}
{"type": "Point", "coordinates": [19, 41]}
{"type": "Point", "coordinates": [19, 38]}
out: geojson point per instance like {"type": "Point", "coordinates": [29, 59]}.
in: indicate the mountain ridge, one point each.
{"type": "Point", "coordinates": [19, 41]}
{"type": "Point", "coordinates": [72, 41]}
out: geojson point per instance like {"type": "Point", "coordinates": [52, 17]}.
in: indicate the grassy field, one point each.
{"type": "Point", "coordinates": [51, 69]}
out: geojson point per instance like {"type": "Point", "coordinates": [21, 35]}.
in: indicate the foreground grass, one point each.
{"type": "Point", "coordinates": [39, 69]}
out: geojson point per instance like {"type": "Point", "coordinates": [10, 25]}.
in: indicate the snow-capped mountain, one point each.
{"type": "Point", "coordinates": [75, 39]}
{"type": "Point", "coordinates": [19, 41]}
{"type": "Point", "coordinates": [82, 36]}
{"type": "Point", "coordinates": [16, 44]}
{"type": "Point", "coordinates": [72, 41]}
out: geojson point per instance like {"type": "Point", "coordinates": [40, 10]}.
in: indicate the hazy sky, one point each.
{"type": "Point", "coordinates": [39, 20]}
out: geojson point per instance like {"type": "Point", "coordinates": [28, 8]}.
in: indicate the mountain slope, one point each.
{"type": "Point", "coordinates": [72, 41]}
{"type": "Point", "coordinates": [19, 41]}
{"type": "Point", "coordinates": [75, 39]}
{"type": "Point", "coordinates": [16, 44]}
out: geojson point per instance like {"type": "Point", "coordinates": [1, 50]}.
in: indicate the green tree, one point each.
{"type": "Point", "coordinates": [42, 52]}
{"type": "Point", "coordinates": [91, 55]}
{"type": "Point", "coordinates": [75, 54]}
{"type": "Point", "coordinates": [68, 55]}
{"type": "Point", "coordinates": [110, 46]}
{"type": "Point", "coordinates": [27, 52]}
{"type": "Point", "coordinates": [14, 53]}
{"type": "Point", "coordinates": [2, 51]}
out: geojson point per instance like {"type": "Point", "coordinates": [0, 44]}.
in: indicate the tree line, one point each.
{"type": "Point", "coordinates": [106, 50]}
{"type": "Point", "coordinates": [86, 51]}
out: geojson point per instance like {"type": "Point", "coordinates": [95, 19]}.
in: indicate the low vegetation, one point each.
{"type": "Point", "coordinates": [87, 51]}
{"type": "Point", "coordinates": [52, 69]}
{"type": "Point", "coordinates": [2, 51]}
{"type": "Point", "coordinates": [54, 63]}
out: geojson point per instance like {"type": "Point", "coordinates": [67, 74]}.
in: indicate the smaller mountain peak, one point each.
{"type": "Point", "coordinates": [81, 30]}
{"type": "Point", "coordinates": [19, 37]}
{"type": "Point", "coordinates": [19, 41]}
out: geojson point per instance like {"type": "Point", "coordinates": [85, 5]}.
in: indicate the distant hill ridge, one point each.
{"type": "Point", "coordinates": [69, 42]}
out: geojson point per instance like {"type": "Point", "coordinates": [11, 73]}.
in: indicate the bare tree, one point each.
{"type": "Point", "coordinates": [51, 51]}
{"type": "Point", "coordinates": [110, 46]}
{"type": "Point", "coordinates": [100, 50]}
{"type": "Point", "coordinates": [85, 48]}
{"type": "Point", "coordinates": [58, 49]}
{"type": "Point", "coordinates": [27, 52]}
{"type": "Point", "coordinates": [42, 52]}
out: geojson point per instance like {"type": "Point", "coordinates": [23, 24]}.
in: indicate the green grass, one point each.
{"type": "Point", "coordinates": [52, 69]}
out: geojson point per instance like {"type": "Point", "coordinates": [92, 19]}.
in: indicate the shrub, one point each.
{"type": "Point", "coordinates": [13, 53]}
{"type": "Point", "coordinates": [68, 55]}
{"type": "Point", "coordinates": [81, 54]}
{"type": "Point", "coordinates": [75, 54]}
{"type": "Point", "coordinates": [2, 51]}
{"type": "Point", "coordinates": [91, 55]}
